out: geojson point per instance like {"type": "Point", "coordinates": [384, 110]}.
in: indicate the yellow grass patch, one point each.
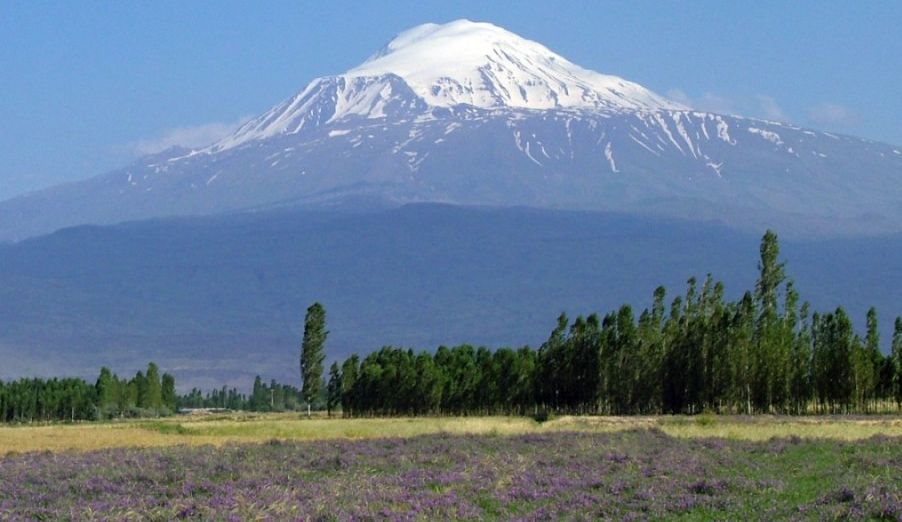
{"type": "Point", "coordinates": [86, 437]}
{"type": "Point", "coordinates": [767, 427]}
{"type": "Point", "coordinates": [258, 428]}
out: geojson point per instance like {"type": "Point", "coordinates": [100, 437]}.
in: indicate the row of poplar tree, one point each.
{"type": "Point", "coordinates": [263, 397]}
{"type": "Point", "coordinates": [761, 354]}
{"type": "Point", "coordinates": [72, 399]}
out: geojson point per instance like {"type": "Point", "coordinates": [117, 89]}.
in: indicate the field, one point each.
{"type": "Point", "coordinates": [285, 467]}
{"type": "Point", "coordinates": [238, 428]}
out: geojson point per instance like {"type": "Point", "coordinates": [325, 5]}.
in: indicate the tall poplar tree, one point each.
{"type": "Point", "coordinates": [259, 400]}
{"type": "Point", "coordinates": [167, 392]}
{"type": "Point", "coordinates": [312, 353]}
{"type": "Point", "coordinates": [800, 364]}
{"type": "Point", "coordinates": [334, 389]}
{"type": "Point", "coordinates": [154, 398]}
{"type": "Point", "coordinates": [106, 391]}
{"type": "Point", "coordinates": [348, 380]}
{"type": "Point", "coordinates": [771, 275]}
{"type": "Point", "coordinates": [769, 351]}
{"type": "Point", "coordinates": [138, 390]}
{"type": "Point", "coordinates": [872, 357]}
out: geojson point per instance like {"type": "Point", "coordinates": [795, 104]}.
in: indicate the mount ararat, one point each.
{"type": "Point", "coordinates": [468, 113]}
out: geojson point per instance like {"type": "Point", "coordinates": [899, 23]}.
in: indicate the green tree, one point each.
{"type": "Point", "coordinates": [154, 398]}
{"type": "Point", "coordinates": [429, 386]}
{"type": "Point", "coordinates": [259, 400]}
{"type": "Point", "coordinates": [333, 388]}
{"type": "Point", "coordinates": [770, 363]}
{"type": "Point", "coordinates": [167, 392]}
{"type": "Point", "coordinates": [872, 360]}
{"type": "Point", "coordinates": [126, 395]}
{"type": "Point", "coordinates": [138, 390]}
{"type": "Point", "coordinates": [800, 363]}
{"type": "Point", "coordinates": [552, 364]}
{"type": "Point", "coordinates": [623, 349]}
{"type": "Point", "coordinates": [652, 337]}
{"type": "Point", "coordinates": [742, 329]}
{"type": "Point", "coordinates": [312, 353]}
{"type": "Point", "coordinates": [771, 274]}
{"type": "Point", "coordinates": [671, 367]}
{"type": "Point", "coordinates": [106, 391]}
{"type": "Point", "coordinates": [841, 339]}
{"type": "Point", "coordinates": [349, 371]}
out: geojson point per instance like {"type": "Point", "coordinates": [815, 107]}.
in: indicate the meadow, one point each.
{"type": "Point", "coordinates": [219, 429]}
{"type": "Point", "coordinates": [286, 467]}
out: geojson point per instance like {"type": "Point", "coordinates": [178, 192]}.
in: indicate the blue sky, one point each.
{"type": "Point", "coordinates": [89, 86]}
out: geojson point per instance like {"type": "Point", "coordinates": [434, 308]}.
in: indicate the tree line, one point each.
{"type": "Point", "coordinates": [272, 397]}
{"type": "Point", "coordinates": [764, 353]}
{"type": "Point", "coordinates": [74, 399]}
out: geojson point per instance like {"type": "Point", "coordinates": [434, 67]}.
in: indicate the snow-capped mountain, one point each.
{"type": "Point", "coordinates": [469, 113]}
{"type": "Point", "coordinates": [488, 67]}
{"type": "Point", "coordinates": [459, 63]}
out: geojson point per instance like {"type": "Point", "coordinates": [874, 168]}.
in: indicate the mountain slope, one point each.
{"type": "Point", "coordinates": [222, 298]}
{"type": "Point", "coordinates": [468, 113]}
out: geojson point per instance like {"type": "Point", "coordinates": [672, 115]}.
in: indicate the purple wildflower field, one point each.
{"type": "Point", "coordinates": [632, 475]}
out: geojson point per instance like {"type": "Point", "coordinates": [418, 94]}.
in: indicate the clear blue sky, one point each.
{"type": "Point", "coordinates": [88, 86]}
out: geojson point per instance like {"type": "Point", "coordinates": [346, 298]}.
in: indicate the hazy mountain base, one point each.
{"type": "Point", "coordinates": [216, 300]}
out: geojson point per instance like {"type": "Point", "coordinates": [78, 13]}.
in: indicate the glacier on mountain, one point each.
{"type": "Point", "coordinates": [443, 66]}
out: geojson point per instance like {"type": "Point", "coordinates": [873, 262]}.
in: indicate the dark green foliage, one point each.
{"type": "Point", "coordinates": [260, 396]}
{"type": "Point", "coordinates": [31, 400]}
{"type": "Point", "coordinates": [333, 389]}
{"type": "Point", "coordinates": [272, 397]}
{"type": "Point", "coordinates": [138, 390]}
{"type": "Point", "coordinates": [800, 361]}
{"type": "Point", "coordinates": [73, 399]}
{"type": "Point", "coordinates": [349, 371]}
{"type": "Point", "coordinates": [154, 395]}
{"type": "Point", "coordinates": [106, 390]}
{"type": "Point", "coordinates": [312, 354]}
{"type": "Point", "coordinates": [167, 393]}
{"type": "Point", "coordinates": [771, 275]}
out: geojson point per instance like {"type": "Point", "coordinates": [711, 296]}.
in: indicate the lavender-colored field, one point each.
{"type": "Point", "coordinates": [633, 475]}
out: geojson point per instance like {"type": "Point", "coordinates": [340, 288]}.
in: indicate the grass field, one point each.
{"type": "Point", "coordinates": [221, 429]}
{"type": "Point", "coordinates": [287, 467]}
{"type": "Point", "coordinates": [603, 471]}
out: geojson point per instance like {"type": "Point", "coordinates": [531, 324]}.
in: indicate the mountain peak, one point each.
{"type": "Point", "coordinates": [460, 31]}
{"type": "Point", "coordinates": [460, 63]}
{"type": "Point", "coordinates": [481, 64]}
